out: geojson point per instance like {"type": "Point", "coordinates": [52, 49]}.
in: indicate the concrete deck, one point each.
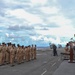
{"type": "Point", "coordinates": [65, 69]}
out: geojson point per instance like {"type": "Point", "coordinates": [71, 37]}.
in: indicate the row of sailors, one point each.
{"type": "Point", "coordinates": [9, 54]}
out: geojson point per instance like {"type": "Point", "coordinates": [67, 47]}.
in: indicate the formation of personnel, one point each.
{"type": "Point", "coordinates": [11, 54]}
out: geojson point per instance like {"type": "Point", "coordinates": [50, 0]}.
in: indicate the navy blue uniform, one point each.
{"type": "Point", "coordinates": [54, 50]}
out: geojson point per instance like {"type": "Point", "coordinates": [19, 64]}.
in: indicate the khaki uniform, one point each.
{"type": "Point", "coordinates": [7, 55]}
{"type": "Point", "coordinates": [35, 52]}
{"type": "Point", "coordinates": [0, 55]}
{"type": "Point", "coordinates": [12, 56]}
{"type": "Point", "coordinates": [19, 55]}
{"type": "Point", "coordinates": [26, 54]}
{"type": "Point", "coordinates": [23, 52]}
{"type": "Point", "coordinates": [32, 52]}
{"type": "Point", "coordinates": [67, 50]}
{"type": "Point", "coordinates": [3, 54]}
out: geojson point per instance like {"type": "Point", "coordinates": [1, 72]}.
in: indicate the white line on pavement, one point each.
{"type": "Point", "coordinates": [53, 64]}
{"type": "Point", "coordinates": [41, 54]}
{"type": "Point", "coordinates": [44, 72]}
{"type": "Point", "coordinates": [38, 54]}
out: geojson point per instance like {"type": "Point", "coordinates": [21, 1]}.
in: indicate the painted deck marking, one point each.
{"type": "Point", "coordinates": [44, 72]}
{"type": "Point", "coordinates": [53, 64]}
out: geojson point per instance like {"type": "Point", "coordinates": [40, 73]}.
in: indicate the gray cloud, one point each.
{"type": "Point", "coordinates": [28, 27]}
{"type": "Point", "coordinates": [32, 34]}
{"type": "Point", "coordinates": [2, 13]}
{"type": "Point", "coordinates": [17, 28]}
{"type": "Point", "coordinates": [14, 4]}
{"type": "Point", "coordinates": [47, 25]}
{"type": "Point", "coordinates": [44, 28]}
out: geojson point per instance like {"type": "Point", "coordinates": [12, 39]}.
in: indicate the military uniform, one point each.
{"type": "Point", "coordinates": [54, 50]}
{"type": "Point", "coordinates": [29, 53]}
{"type": "Point", "coordinates": [3, 53]}
{"type": "Point", "coordinates": [32, 52]}
{"type": "Point", "coordinates": [12, 56]}
{"type": "Point", "coordinates": [23, 52]}
{"type": "Point", "coordinates": [35, 52]}
{"type": "Point", "coordinates": [19, 55]}
{"type": "Point", "coordinates": [26, 53]}
{"type": "Point", "coordinates": [0, 55]}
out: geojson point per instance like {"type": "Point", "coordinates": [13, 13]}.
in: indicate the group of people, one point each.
{"type": "Point", "coordinates": [11, 54]}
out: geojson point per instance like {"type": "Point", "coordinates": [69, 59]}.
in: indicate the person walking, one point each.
{"type": "Point", "coordinates": [54, 50]}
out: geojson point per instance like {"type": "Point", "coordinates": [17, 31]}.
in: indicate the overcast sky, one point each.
{"type": "Point", "coordinates": [37, 21]}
